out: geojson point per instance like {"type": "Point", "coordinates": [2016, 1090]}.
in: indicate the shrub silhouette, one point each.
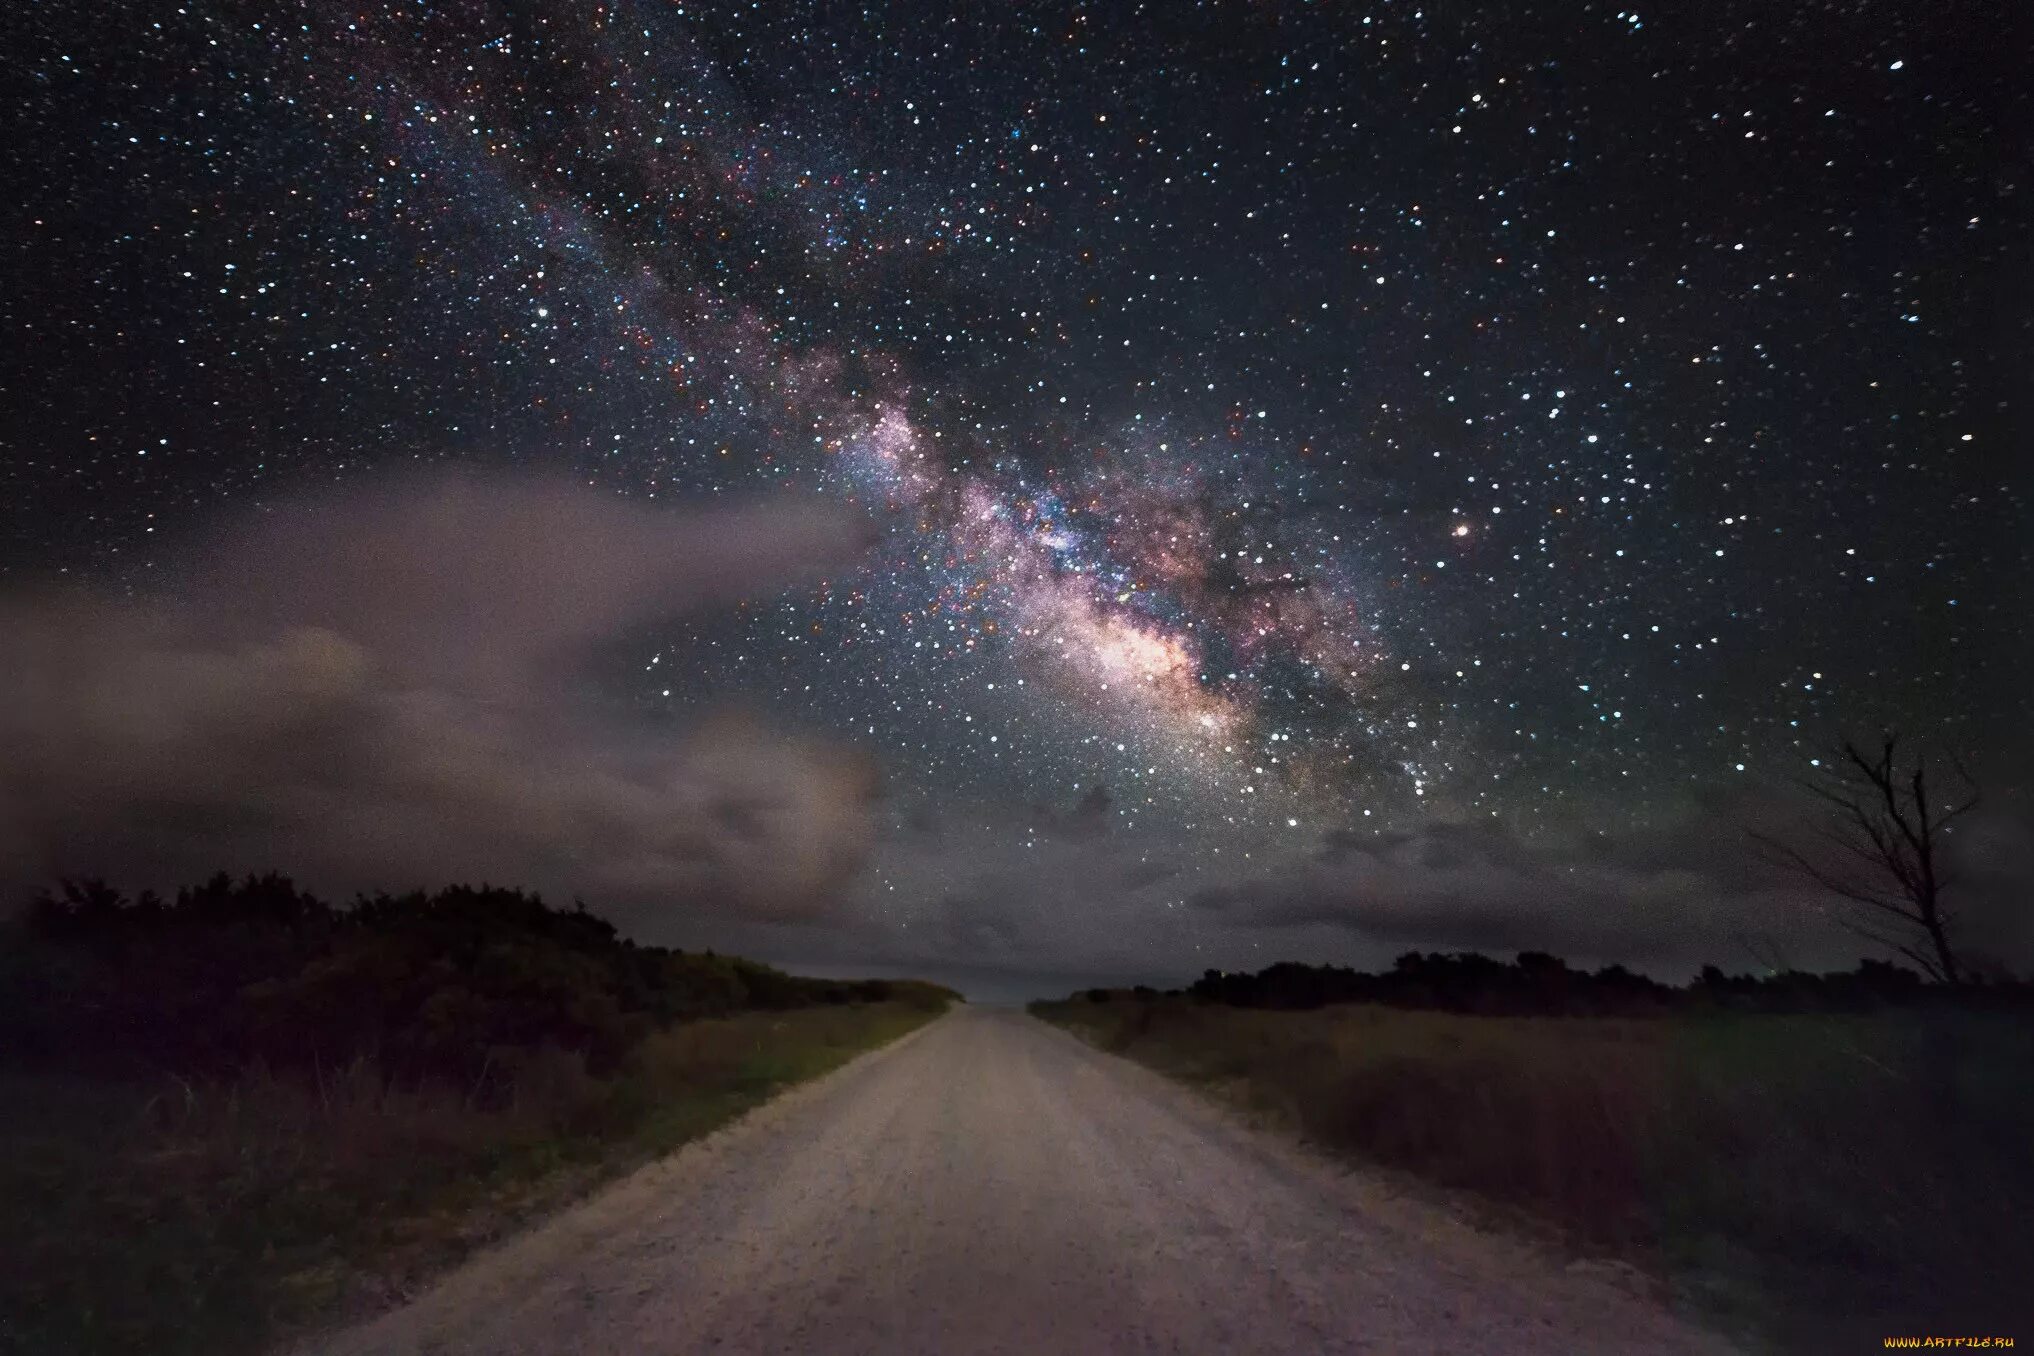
{"type": "Point", "coordinates": [459, 984]}
{"type": "Point", "coordinates": [1540, 984]}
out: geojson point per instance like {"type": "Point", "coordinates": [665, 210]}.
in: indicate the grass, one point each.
{"type": "Point", "coordinates": [219, 1218]}
{"type": "Point", "coordinates": [1805, 1182]}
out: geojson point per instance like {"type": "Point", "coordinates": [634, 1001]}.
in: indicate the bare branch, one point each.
{"type": "Point", "coordinates": [1959, 812]}
{"type": "Point", "coordinates": [1793, 859]}
{"type": "Point", "coordinates": [1928, 967]}
{"type": "Point", "coordinates": [1885, 829]}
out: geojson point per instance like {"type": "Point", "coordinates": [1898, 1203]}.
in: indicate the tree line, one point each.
{"type": "Point", "coordinates": [454, 984]}
{"type": "Point", "coordinates": [1538, 984]}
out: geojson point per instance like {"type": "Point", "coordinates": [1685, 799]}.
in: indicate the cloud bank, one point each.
{"type": "Point", "coordinates": [393, 686]}
{"type": "Point", "coordinates": [1077, 900]}
{"type": "Point", "coordinates": [1477, 886]}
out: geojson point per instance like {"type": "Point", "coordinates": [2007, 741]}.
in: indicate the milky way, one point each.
{"type": "Point", "coordinates": [1284, 416]}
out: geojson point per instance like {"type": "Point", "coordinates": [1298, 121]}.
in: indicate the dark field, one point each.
{"type": "Point", "coordinates": [1803, 1181]}
{"type": "Point", "coordinates": [230, 1115]}
{"type": "Point", "coordinates": [206, 1217]}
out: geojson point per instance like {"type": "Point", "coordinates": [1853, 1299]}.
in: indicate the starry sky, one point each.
{"type": "Point", "coordinates": [1505, 434]}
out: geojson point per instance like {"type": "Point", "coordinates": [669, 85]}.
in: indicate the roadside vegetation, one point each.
{"type": "Point", "coordinates": [1803, 1161]}
{"type": "Point", "coordinates": [229, 1114]}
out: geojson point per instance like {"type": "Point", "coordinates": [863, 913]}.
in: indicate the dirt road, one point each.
{"type": "Point", "coordinates": [990, 1184]}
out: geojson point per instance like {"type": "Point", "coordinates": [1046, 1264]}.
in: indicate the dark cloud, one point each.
{"type": "Point", "coordinates": [387, 688]}
{"type": "Point", "coordinates": [1137, 875]}
{"type": "Point", "coordinates": [1126, 906]}
{"type": "Point", "coordinates": [1668, 898]}
{"type": "Point", "coordinates": [1089, 817]}
{"type": "Point", "coordinates": [948, 892]}
{"type": "Point", "coordinates": [1071, 894]}
{"type": "Point", "coordinates": [1990, 864]}
{"type": "Point", "coordinates": [1477, 886]}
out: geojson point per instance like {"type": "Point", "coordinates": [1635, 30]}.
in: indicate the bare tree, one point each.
{"type": "Point", "coordinates": [1882, 852]}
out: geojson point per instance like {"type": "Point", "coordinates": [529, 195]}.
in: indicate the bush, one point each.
{"type": "Point", "coordinates": [1540, 984]}
{"type": "Point", "coordinates": [444, 985]}
{"type": "Point", "coordinates": [230, 1111]}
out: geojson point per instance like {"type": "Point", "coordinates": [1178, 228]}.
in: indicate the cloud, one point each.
{"type": "Point", "coordinates": [388, 687]}
{"type": "Point", "coordinates": [1090, 817]}
{"type": "Point", "coordinates": [1083, 900]}
{"type": "Point", "coordinates": [1477, 886]}
{"type": "Point", "coordinates": [1032, 890]}
{"type": "Point", "coordinates": [1058, 898]}
{"type": "Point", "coordinates": [475, 578]}
{"type": "Point", "coordinates": [1668, 899]}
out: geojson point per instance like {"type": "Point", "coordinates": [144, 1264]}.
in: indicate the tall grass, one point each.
{"type": "Point", "coordinates": [1804, 1179]}
{"type": "Point", "coordinates": [192, 1216]}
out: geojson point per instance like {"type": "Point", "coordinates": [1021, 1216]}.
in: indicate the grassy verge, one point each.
{"type": "Point", "coordinates": [1807, 1182]}
{"type": "Point", "coordinates": [216, 1218]}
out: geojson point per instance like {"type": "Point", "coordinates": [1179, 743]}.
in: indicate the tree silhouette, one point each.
{"type": "Point", "coordinates": [1882, 852]}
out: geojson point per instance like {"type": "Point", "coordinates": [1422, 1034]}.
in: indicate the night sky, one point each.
{"type": "Point", "coordinates": [1492, 445]}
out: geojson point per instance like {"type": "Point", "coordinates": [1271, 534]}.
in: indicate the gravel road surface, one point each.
{"type": "Point", "coordinates": [991, 1184]}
